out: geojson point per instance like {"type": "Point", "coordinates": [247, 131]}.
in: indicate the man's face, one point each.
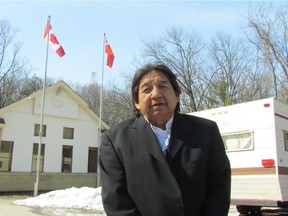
{"type": "Point", "coordinates": [157, 98]}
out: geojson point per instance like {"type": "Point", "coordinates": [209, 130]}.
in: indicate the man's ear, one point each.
{"type": "Point", "coordinates": [137, 106]}
{"type": "Point", "coordinates": [177, 95]}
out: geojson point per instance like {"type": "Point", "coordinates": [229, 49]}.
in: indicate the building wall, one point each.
{"type": "Point", "coordinates": [57, 103]}
{"type": "Point", "coordinates": [24, 182]}
{"type": "Point", "coordinates": [61, 110]}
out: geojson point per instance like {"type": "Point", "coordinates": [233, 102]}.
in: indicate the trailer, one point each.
{"type": "Point", "coordinates": [255, 135]}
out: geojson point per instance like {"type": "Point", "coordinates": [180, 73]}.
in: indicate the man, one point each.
{"type": "Point", "coordinates": [163, 163]}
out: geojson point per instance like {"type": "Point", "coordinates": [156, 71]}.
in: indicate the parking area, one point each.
{"type": "Point", "coordinates": [9, 209]}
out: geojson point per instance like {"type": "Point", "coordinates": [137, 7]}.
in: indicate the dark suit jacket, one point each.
{"type": "Point", "coordinates": [193, 180]}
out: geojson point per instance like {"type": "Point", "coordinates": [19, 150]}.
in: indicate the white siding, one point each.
{"type": "Point", "coordinates": [62, 109]}
{"type": "Point", "coordinates": [19, 129]}
{"type": "Point", "coordinates": [57, 105]}
{"type": "Point", "coordinates": [262, 119]}
{"type": "Point", "coordinates": [255, 187]}
{"type": "Point", "coordinates": [253, 117]}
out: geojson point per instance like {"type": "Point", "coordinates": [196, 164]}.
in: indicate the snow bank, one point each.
{"type": "Point", "coordinates": [79, 198]}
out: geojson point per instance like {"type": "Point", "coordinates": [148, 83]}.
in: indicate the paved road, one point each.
{"type": "Point", "coordinates": [9, 209]}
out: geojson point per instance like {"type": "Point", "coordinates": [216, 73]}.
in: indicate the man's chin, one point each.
{"type": "Point", "coordinates": [159, 108]}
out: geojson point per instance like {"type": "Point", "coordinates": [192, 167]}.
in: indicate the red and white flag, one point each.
{"type": "Point", "coordinates": [108, 50]}
{"type": "Point", "coordinates": [53, 42]}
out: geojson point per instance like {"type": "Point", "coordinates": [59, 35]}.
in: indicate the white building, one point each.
{"type": "Point", "coordinates": [69, 150]}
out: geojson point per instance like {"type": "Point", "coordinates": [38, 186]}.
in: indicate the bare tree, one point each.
{"type": "Point", "coordinates": [28, 85]}
{"type": "Point", "coordinates": [91, 94]}
{"type": "Point", "coordinates": [11, 64]}
{"type": "Point", "coordinates": [119, 104]}
{"type": "Point", "coordinates": [182, 52]}
{"type": "Point", "coordinates": [235, 71]}
{"type": "Point", "coordinates": [269, 28]}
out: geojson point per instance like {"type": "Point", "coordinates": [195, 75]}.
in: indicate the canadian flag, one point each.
{"type": "Point", "coordinates": [108, 50]}
{"type": "Point", "coordinates": [53, 42]}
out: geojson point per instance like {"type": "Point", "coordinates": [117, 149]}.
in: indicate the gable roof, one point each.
{"type": "Point", "coordinates": [69, 91]}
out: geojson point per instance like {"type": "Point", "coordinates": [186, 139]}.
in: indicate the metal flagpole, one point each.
{"type": "Point", "coordinates": [42, 111]}
{"type": "Point", "coordinates": [100, 115]}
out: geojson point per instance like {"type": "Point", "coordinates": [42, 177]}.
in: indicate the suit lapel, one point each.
{"type": "Point", "coordinates": [148, 139]}
{"type": "Point", "coordinates": [178, 134]}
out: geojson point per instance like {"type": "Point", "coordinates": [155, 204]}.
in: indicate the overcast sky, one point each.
{"type": "Point", "coordinates": [79, 27]}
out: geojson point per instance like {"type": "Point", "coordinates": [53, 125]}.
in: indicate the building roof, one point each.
{"type": "Point", "coordinates": [68, 90]}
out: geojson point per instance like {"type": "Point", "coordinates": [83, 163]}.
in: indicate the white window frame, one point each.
{"type": "Point", "coordinates": [238, 144]}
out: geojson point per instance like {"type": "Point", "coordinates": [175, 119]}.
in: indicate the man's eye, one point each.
{"type": "Point", "coordinates": [146, 90]}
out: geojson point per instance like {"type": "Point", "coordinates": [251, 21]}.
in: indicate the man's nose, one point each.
{"type": "Point", "coordinates": [156, 92]}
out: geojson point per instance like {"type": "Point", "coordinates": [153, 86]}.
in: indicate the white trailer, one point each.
{"type": "Point", "coordinates": [255, 135]}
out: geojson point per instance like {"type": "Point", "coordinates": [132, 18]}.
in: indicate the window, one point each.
{"type": "Point", "coordinates": [238, 141]}
{"type": "Point", "coordinates": [285, 134]}
{"type": "Point", "coordinates": [68, 133]}
{"type": "Point", "coordinates": [92, 160]}
{"type": "Point", "coordinates": [67, 153]}
{"type": "Point", "coordinates": [37, 130]}
{"type": "Point", "coordinates": [35, 157]}
{"type": "Point", "coordinates": [6, 149]}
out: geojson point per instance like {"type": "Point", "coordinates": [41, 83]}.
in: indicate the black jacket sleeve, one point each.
{"type": "Point", "coordinates": [219, 178]}
{"type": "Point", "coordinates": [115, 197]}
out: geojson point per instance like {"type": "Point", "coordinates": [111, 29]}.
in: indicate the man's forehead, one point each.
{"type": "Point", "coordinates": [153, 78]}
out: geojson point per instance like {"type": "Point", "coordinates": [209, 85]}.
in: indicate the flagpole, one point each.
{"type": "Point", "coordinates": [100, 115]}
{"type": "Point", "coordinates": [42, 112]}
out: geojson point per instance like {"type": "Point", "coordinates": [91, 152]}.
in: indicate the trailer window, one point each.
{"type": "Point", "coordinates": [238, 141]}
{"type": "Point", "coordinates": [285, 133]}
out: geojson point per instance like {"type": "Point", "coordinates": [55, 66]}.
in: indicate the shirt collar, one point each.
{"type": "Point", "coordinates": [168, 124]}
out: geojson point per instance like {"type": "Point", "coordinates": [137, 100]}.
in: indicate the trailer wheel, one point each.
{"type": "Point", "coordinates": [249, 210]}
